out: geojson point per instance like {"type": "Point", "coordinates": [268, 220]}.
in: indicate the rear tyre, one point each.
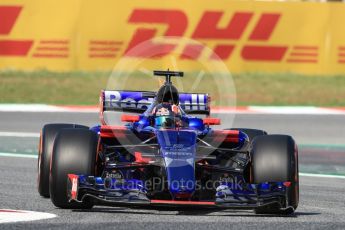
{"type": "Point", "coordinates": [74, 152]}
{"type": "Point", "coordinates": [46, 143]}
{"type": "Point", "coordinates": [274, 158]}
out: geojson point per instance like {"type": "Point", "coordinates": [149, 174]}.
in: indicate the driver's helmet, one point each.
{"type": "Point", "coordinates": [168, 94]}
{"type": "Point", "coordinates": [165, 116]}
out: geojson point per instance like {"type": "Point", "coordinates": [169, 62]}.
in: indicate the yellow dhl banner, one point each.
{"type": "Point", "coordinates": [65, 35]}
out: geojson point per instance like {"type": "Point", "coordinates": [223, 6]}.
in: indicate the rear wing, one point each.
{"type": "Point", "coordinates": [139, 101]}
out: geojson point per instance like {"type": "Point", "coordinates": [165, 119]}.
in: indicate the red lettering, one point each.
{"type": "Point", "coordinates": [192, 51]}
{"type": "Point", "coordinates": [208, 29]}
{"type": "Point", "coordinates": [8, 16]}
{"type": "Point", "coordinates": [222, 51]}
{"type": "Point", "coordinates": [263, 53]}
{"type": "Point", "coordinates": [14, 48]}
{"type": "Point", "coordinates": [175, 20]}
{"type": "Point", "coordinates": [264, 27]}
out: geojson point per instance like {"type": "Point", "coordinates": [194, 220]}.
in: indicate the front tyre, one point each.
{"type": "Point", "coordinates": [47, 137]}
{"type": "Point", "coordinates": [74, 152]}
{"type": "Point", "coordinates": [274, 158]}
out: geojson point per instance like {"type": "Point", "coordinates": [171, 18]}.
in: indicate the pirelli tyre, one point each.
{"type": "Point", "coordinates": [74, 152]}
{"type": "Point", "coordinates": [274, 158]}
{"type": "Point", "coordinates": [47, 137]}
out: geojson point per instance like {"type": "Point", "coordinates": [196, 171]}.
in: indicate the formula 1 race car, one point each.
{"type": "Point", "coordinates": [165, 156]}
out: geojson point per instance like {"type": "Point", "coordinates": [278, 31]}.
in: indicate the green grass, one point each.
{"type": "Point", "coordinates": [73, 88]}
{"type": "Point", "coordinates": [290, 89]}
{"type": "Point", "coordinates": [82, 88]}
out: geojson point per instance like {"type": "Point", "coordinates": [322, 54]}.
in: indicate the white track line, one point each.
{"type": "Point", "coordinates": [23, 155]}
{"type": "Point", "coordinates": [322, 175]}
{"type": "Point", "coordinates": [11, 216]}
{"type": "Point", "coordinates": [18, 134]}
{"type": "Point", "coordinates": [30, 108]}
{"type": "Point", "coordinates": [295, 110]}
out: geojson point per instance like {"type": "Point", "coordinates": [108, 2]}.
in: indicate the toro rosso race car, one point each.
{"type": "Point", "coordinates": [164, 156]}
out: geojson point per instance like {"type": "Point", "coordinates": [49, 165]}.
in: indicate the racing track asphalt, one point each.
{"type": "Point", "coordinates": [308, 128]}
{"type": "Point", "coordinates": [321, 206]}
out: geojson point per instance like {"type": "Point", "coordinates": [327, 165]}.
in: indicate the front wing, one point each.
{"type": "Point", "coordinates": [132, 192]}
